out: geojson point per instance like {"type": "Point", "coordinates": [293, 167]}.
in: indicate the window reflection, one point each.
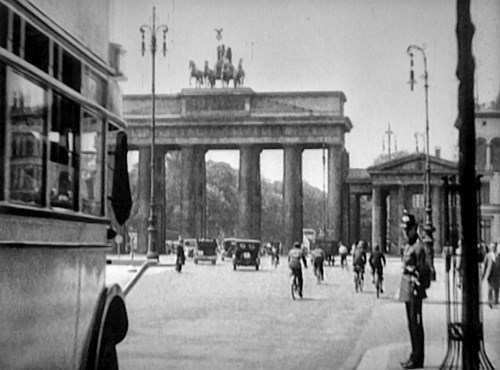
{"type": "Point", "coordinates": [27, 116]}
{"type": "Point", "coordinates": [90, 167]}
{"type": "Point", "coordinates": [63, 164]}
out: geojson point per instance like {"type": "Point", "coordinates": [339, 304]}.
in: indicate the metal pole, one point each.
{"type": "Point", "coordinates": [428, 227]}
{"type": "Point", "coordinates": [152, 252]}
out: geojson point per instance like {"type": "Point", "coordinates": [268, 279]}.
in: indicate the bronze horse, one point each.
{"type": "Point", "coordinates": [196, 73]}
{"type": "Point", "coordinates": [223, 70]}
{"type": "Point", "coordinates": [239, 74]}
{"type": "Point", "coordinates": [209, 75]}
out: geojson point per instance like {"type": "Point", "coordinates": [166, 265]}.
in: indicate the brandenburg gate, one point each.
{"type": "Point", "coordinates": [197, 120]}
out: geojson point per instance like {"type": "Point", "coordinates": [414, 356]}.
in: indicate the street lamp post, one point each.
{"type": "Point", "coordinates": [152, 252]}
{"type": "Point", "coordinates": [428, 227]}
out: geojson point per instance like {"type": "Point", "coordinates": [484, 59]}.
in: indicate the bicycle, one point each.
{"type": "Point", "coordinates": [275, 260]}
{"type": "Point", "coordinates": [317, 273]}
{"type": "Point", "coordinates": [294, 286]}
{"type": "Point", "coordinates": [358, 279]}
{"type": "Point", "coordinates": [377, 280]}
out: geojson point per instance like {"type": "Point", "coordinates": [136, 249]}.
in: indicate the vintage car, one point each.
{"type": "Point", "coordinates": [205, 250]}
{"type": "Point", "coordinates": [246, 253]}
{"type": "Point", "coordinates": [228, 246]}
{"type": "Point", "coordinates": [189, 247]}
{"type": "Point", "coordinates": [330, 247]}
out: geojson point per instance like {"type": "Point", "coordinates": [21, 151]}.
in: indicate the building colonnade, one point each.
{"type": "Point", "coordinates": [193, 193]}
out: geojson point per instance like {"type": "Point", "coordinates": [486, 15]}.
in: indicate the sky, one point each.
{"type": "Point", "coordinates": [355, 46]}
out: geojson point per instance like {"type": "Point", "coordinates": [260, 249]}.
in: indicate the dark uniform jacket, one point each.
{"type": "Point", "coordinates": [416, 265]}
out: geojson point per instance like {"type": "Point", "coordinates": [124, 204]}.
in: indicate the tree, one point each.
{"type": "Point", "coordinates": [222, 201]}
{"type": "Point", "coordinates": [385, 157]}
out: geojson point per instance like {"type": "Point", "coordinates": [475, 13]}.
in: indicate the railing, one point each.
{"type": "Point", "coordinates": [138, 275]}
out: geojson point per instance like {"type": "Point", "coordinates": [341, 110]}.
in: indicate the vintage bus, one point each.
{"type": "Point", "coordinates": [57, 112]}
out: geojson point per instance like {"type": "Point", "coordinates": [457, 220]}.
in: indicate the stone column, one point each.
{"type": "Point", "coordinates": [437, 217]}
{"type": "Point", "coordinates": [495, 229]}
{"type": "Point", "coordinates": [488, 157]}
{"type": "Point", "coordinates": [495, 188]}
{"type": "Point", "coordinates": [334, 200]}
{"type": "Point", "coordinates": [377, 215]}
{"type": "Point", "coordinates": [249, 199]}
{"type": "Point", "coordinates": [345, 199]}
{"type": "Point", "coordinates": [383, 223]}
{"type": "Point", "coordinates": [203, 195]}
{"type": "Point", "coordinates": [355, 218]}
{"type": "Point", "coordinates": [159, 179]}
{"type": "Point", "coordinates": [346, 211]}
{"type": "Point", "coordinates": [392, 222]}
{"type": "Point", "coordinates": [143, 198]}
{"type": "Point", "coordinates": [199, 192]}
{"type": "Point", "coordinates": [192, 191]}
{"type": "Point", "coordinates": [292, 196]}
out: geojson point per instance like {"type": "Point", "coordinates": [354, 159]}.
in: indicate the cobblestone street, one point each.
{"type": "Point", "coordinates": [212, 317]}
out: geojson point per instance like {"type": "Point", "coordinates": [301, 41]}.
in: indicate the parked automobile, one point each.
{"type": "Point", "coordinates": [330, 247]}
{"type": "Point", "coordinates": [228, 246]}
{"type": "Point", "coordinates": [205, 250]}
{"type": "Point", "coordinates": [246, 253]}
{"type": "Point", "coordinates": [189, 247]}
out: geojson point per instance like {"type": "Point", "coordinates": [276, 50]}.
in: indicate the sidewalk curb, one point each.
{"type": "Point", "coordinates": [389, 356]}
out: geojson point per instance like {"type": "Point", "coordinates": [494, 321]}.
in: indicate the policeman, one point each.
{"type": "Point", "coordinates": [417, 271]}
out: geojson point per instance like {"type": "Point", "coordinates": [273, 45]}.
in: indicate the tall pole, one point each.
{"type": "Point", "coordinates": [428, 227]}
{"type": "Point", "coordinates": [467, 174]}
{"type": "Point", "coordinates": [152, 252]}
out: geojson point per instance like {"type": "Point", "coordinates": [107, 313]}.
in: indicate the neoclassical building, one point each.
{"type": "Point", "coordinates": [488, 166]}
{"type": "Point", "coordinates": [394, 186]}
{"type": "Point", "coordinates": [398, 184]}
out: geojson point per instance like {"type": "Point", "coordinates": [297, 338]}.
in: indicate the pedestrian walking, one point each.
{"type": "Point", "coordinates": [491, 273]}
{"type": "Point", "coordinates": [181, 257]}
{"type": "Point", "coordinates": [414, 281]}
{"type": "Point", "coordinates": [343, 255]}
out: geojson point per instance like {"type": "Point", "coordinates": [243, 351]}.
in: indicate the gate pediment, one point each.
{"type": "Point", "coordinates": [414, 163]}
{"type": "Point", "coordinates": [410, 169]}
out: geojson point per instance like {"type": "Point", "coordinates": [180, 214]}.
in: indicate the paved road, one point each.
{"type": "Point", "coordinates": [211, 317]}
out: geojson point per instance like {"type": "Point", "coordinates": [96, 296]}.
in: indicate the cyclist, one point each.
{"type": "Point", "coordinates": [359, 262]}
{"type": "Point", "coordinates": [318, 257]}
{"type": "Point", "coordinates": [377, 262]}
{"type": "Point", "coordinates": [275, 253]}
{"type": "Point", "coordinates": [294, 256]}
